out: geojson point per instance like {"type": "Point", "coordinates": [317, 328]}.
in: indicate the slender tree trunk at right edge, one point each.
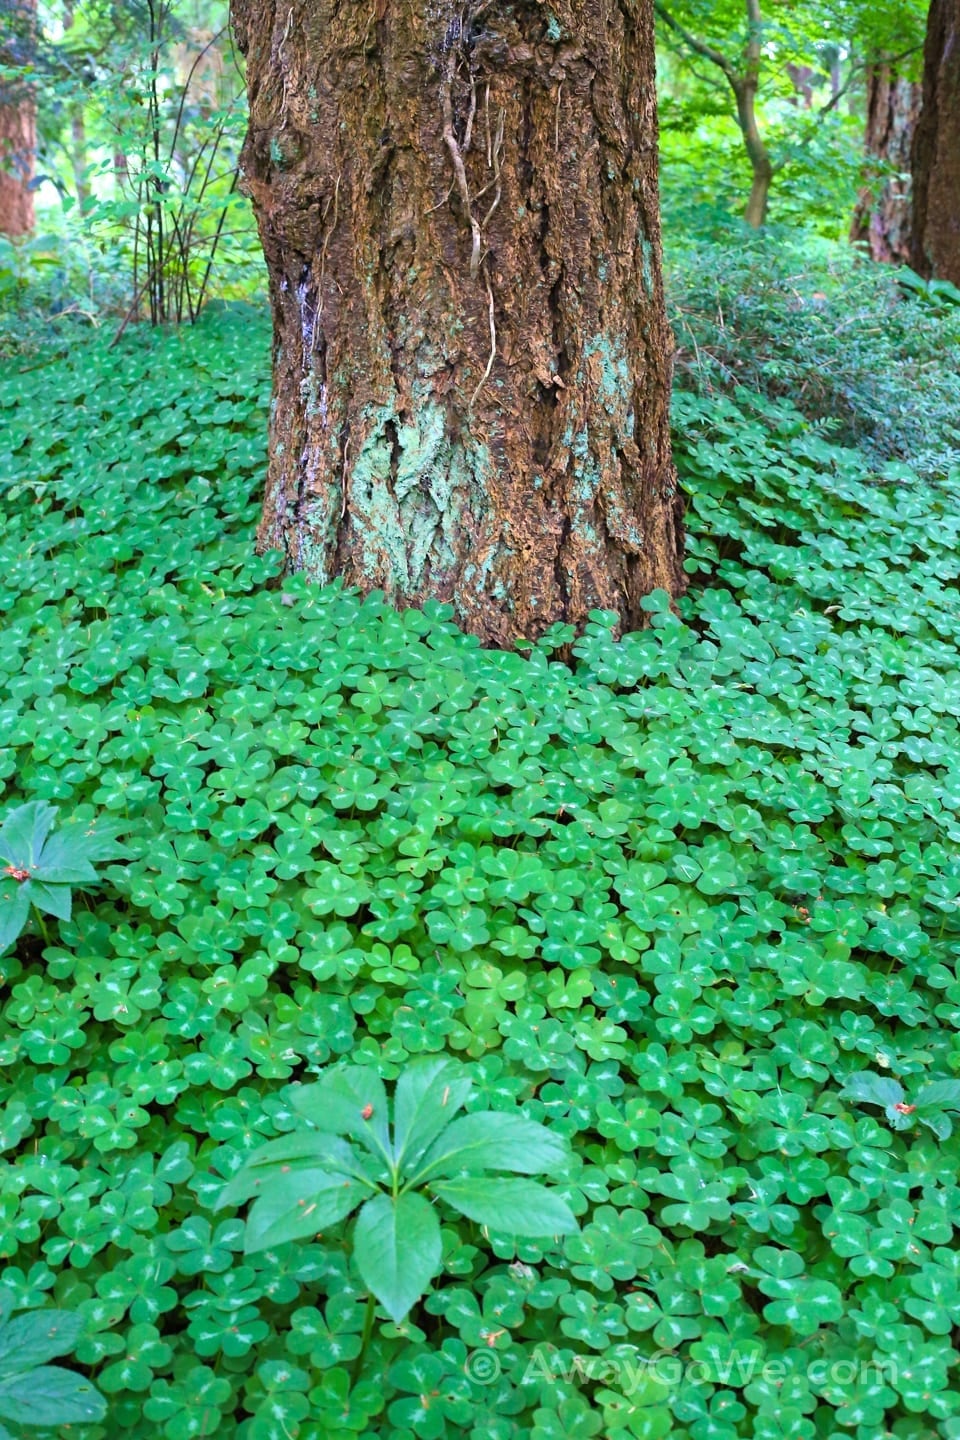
{"type": "Point", "coordinates": [882, 216]}
{"type": "Point", "coordinates": [18, 124]}
{"type": "Point", "coordinates": [936, 150]}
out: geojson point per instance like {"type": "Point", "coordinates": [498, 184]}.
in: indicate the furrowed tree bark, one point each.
{"type": "Point", "coordinates": [458, 208]}
{"type": "Point", "coordinates": [18, 119]}
{"type": "Point", "coordinates": [936, 149]}
{"type": "Point", "coordinates": [882, 218]}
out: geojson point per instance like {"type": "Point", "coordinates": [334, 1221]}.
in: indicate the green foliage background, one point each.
{"type": "Point", "coordinates": [669, 902]}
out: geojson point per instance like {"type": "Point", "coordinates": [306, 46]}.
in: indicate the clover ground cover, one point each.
{"type": "Point", "coordinates": [670, 903]}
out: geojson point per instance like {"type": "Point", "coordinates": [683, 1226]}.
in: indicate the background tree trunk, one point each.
{"type": "Point", "coordinates": [78, 131]}
{"type": "Point", "coordinates": [458, 207]}
{"type": "Point", "coordinates": [882, 216]}
{"type": "Point", "coordinates": [802, 78]}
{"type": "Point", "coordinates": [936, 149]}
{"type": "Point", "coordinates": [760, 162]}
{"type": "Point", "coordinates": [18, 120]}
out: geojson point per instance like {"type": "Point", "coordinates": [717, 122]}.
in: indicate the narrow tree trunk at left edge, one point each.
{"type": "Point", "coordinates": [18, 121]}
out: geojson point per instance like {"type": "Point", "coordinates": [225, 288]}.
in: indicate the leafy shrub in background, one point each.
{"type": "Point", "coordinates": [705, 174]}
{"type": "Point", "coordinates": [670, 905]}
{"type": "Point", "coordinates": [843, 339]}
{"type": "Point", "coordinates": [142, 113]}
{"type": "Point", "coordinates": [50, 283]}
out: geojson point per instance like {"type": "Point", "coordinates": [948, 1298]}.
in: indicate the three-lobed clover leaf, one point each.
{"type": "Point", "coordinates": [38, 868]}
{"type": "Point", "coordinates": [354, 1152]}
{"type": "Point", "coordinates": [32, 1392]}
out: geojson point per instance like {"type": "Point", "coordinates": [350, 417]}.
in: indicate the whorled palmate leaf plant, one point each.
{"type": "Point", "coordinates": [932, 1104]}
{"type": "Point", "coordinates": [315, 1177]}
{"type": "Point", "coordinates": [38, 868]}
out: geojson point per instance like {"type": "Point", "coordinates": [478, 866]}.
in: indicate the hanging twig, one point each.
{"type": "Point", "coordinates": [449, 135]}
{"type": "Point", "coordinates": [493, 343]}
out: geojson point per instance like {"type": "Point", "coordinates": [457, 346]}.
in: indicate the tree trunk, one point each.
{"type": "Point", "coordinates": [78, 131]}
{"type": "Point", "coordinates": [802, 79]}
{"type": "Point", "coordinates": [18, 122]}
{"type": "Point", "coordinates": [458, 207]}
{"type": "Point", "coordinates": [882, 216]}
{"type": "Point", "coordinates": [78, 156]}
{"type": "Point", "coordinates": [745, 89]}
{"type": "Point", "coordinates": [759, 156]}
{"type": "Point", "coordinates": [936, 149]}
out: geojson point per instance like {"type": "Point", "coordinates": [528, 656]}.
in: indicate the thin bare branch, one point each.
{"type": "Point", "coordinates": [698, 46]}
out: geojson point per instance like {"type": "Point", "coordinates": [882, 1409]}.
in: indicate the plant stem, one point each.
{"type": "Point", "coordinates": [368, 1320]}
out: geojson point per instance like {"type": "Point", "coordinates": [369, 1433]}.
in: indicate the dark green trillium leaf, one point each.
{"type": "Point", "coordinates": [52, 899]}
{"type": "Point", "coordinates": [428, 1096]}
{"type": "Point", "coordinates": [349, 1100]}
{"type": "Point", "coordinates": [494, 1140]}
{"type": "Point", "coordinates": [34, 1338]}
{"type": "Point", "coordinates": [305, 1150]}
{"type": "Point", "coordinates": [518, 1207]}
{"type": "Point", "coordinates": [297, 1205]}
{"type": "Point", "coordinates": [867, 1088]}
{"type": "Point", "coordinates": [50, 1395]}
{"type": "Point", "coordinates": [397, 1249]}
{"type": "Point", "coordinates": [23, 833]}
{"type": "Point", "coordinates": [14, 909]}
{"type": "Point", "coordinates": [939, 1095]}
{"type": "Point", "coordinates": [32, 1392]}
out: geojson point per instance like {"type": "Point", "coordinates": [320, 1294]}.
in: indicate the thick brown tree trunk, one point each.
{"type": "Point", "coordinates": [458, 207]}
{"type": "Point", "coordinates": [882, 216]}
{"type": "Point", "coordinates": [18, 120]}
{"type": "Point", "coordinates": [936, 149]}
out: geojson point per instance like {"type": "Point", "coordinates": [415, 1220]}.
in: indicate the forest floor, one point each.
{"type": "Point", "coordinates": [693, 902]}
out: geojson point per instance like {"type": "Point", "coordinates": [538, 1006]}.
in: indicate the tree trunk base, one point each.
{"type": "Point", "coordinates": [458, 207]}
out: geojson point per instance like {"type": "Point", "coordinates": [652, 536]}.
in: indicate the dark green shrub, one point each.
{"type": "Point", "coordinates": [799, 319]}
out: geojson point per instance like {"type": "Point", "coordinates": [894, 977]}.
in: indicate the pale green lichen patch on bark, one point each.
{"type": "Point", "coordinates": [409, 490]}
{"type": "Point", "coordinates": [613, 385]}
